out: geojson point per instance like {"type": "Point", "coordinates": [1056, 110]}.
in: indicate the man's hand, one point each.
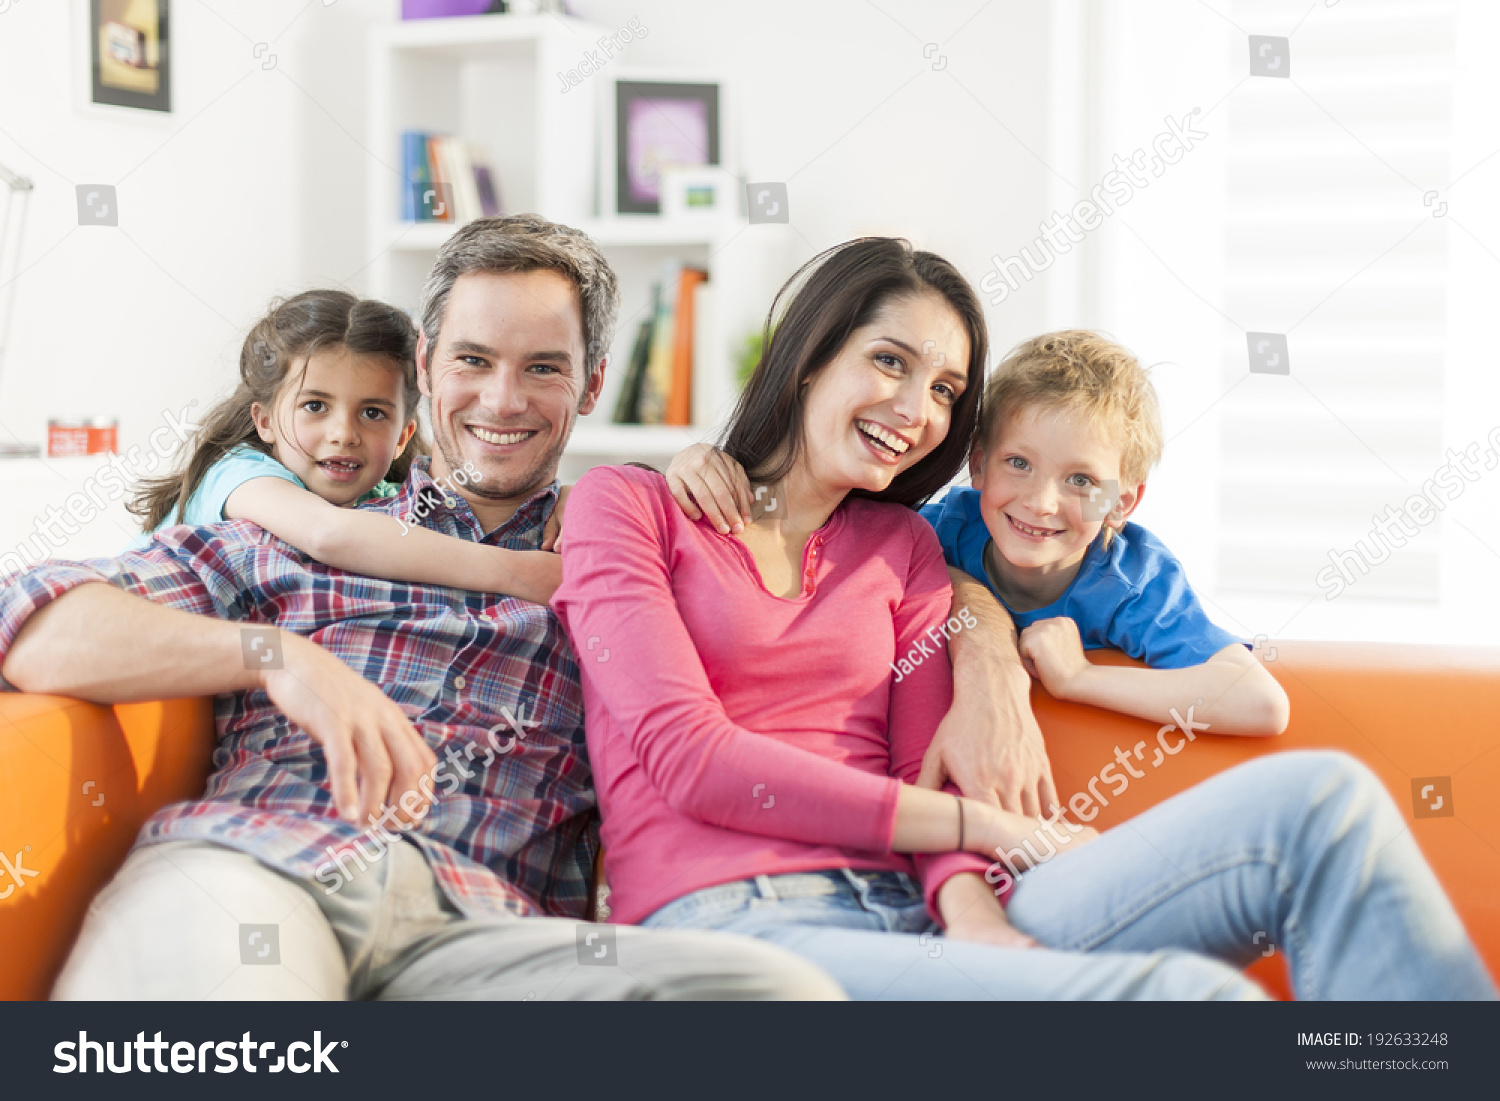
{"type": "Point", "coordinates": [553, 529]}
{"type": "Point", "coordinates": [374, 754]}
{"type": "Point", "coordinates": [989, 742]}
{"type": "Point", "coordinates": [1053, 653]}
{"type": "Point", "coordinates": [707, 482]}
{"type": "Point", "coordinates": [992, 748]}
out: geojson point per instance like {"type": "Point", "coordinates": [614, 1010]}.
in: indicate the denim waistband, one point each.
{"type": "Point", "coordinates": [862, 887]}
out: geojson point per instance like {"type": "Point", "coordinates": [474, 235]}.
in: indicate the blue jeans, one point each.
{"type": "Point", "coordinates": [1299, 853]}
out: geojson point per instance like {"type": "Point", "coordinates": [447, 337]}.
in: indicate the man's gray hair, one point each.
{"type": "Point", "coordinates": [528, 242]}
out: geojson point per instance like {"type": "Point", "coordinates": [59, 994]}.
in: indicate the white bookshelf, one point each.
{"type": "Point", "coordinates": [492, 80]}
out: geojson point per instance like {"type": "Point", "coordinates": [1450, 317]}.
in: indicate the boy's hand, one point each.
{"type": "Point", "coordinates": [707, 482]}
{"type": "Point", "coordinates": [553, 530]}
{"type": "Point", "coordinates": [1053, 653]}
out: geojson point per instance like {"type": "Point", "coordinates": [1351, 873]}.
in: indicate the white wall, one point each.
{"type": "Point", "coordinates": [120, 321]}
{"type": "Point", "coordinates": [1155, 260]}
{"type": "Point", "coordinates": [247, 190]}
{"type": "Point", "coordinates": [253, 186]}
{"type": "Point", "coordinates": [837, 100]}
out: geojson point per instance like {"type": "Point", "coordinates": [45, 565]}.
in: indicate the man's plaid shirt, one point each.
{"type": "Point", "coordinates": [517, 834]}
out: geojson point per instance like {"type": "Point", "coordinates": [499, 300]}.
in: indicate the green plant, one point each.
{"type": "Point", "coordinates": [749, 358]}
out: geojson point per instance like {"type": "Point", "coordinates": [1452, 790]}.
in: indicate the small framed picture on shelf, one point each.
{"type": "Point", "coordinates": [129, 53]}
{"type": "Point", "coordinates": [658, 124]}
{"type": "Point", "coordinates": [702, 192]}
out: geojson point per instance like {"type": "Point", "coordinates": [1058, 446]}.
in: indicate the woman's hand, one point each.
{"type": "Point", "coordinates": [1052, 651]}
{"type": "Point", "coordinates": [971, 912]}
{"type": "Point", "coordinates": [707, 482]}
{"type": "Point", "coordinates": [553, 530]}
{"type": "Point", "coordinates": [992, 831]}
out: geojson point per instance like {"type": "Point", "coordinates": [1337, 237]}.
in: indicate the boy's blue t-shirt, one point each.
{"type": "Point", "coordinates": [1131, 596]}
{"type": "Point", "coordinates": [239, 465]}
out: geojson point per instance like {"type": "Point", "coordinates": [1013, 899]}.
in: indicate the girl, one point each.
{"type": "Point", "coordinates": [754, 756]}
{"type": "Point", "coordinates": [324, 418]}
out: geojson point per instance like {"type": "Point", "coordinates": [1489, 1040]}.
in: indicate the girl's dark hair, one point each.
{"type": "Point", "coordinates": [829, 297]}
{"type": "Point", "coordinates": [293, 329]}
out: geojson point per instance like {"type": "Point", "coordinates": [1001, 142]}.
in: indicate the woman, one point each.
{"type": "Point", "coordinates": [754, 750]}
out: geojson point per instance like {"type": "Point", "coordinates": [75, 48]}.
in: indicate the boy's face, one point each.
{"type": "Point", "coordinates": [1035, 487]}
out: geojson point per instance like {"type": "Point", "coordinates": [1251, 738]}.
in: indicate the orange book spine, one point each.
{"type": "Point", "coordinates": [680, 397]}
{"type": "Point", "coordinates": [439, 175]}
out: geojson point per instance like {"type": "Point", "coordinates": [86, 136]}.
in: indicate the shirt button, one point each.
{"type": "Point", "coordinates": [459, 682]}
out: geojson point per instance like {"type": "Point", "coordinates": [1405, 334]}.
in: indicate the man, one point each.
{"type": "Point", "coordinates": [397, 843]}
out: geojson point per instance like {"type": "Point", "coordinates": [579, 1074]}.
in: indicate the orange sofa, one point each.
{"type": "Point", "coordinates": [77, 780]}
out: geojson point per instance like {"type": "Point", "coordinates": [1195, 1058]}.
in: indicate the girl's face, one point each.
{"type": "Point", "coordinates": [338, 424]}
{"type": "Point", "coordinates": [1037, 483]}
{"type": "Point", "coordinates": [883, 402]}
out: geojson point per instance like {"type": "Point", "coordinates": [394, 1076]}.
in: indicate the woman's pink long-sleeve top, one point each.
{"type": "Point", "coordinates": [734, 733]}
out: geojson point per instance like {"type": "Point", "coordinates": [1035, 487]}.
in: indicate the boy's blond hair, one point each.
{"type": "Point", "coordinates": [1087, 373]}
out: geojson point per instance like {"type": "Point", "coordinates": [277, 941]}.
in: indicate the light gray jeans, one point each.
{"type": "Point", "coordinates": [1303, 854]}
{"type": "Point", "coordinates": [193, 920]}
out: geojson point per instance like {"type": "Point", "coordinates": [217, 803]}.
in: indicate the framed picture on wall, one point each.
{"type": "Point", "coordinates": [660, 124]}
{"type": "Point", "coordinates": [129, 54]}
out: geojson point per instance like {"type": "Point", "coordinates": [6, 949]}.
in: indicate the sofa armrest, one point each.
{"type": "Point", "coordinates": [77, 781]}
{"type": "Point", "coordinates": [1410, 713]}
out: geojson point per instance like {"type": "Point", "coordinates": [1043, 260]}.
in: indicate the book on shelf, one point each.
{"type": "Point", "coordinates": [628, 404]}
{"type": "Point", "coordinates": [414, 172]}
{"type": "Point", "coordinates": [657, 387]}
{"type": "Point", "coordinates": [459, 175]}
{"type": "Point", "coordinates": [657, 381]}
{"type": "Point", "coordinates": [680, 393]}
{"type": "Point", "coordinates": [489, 194]}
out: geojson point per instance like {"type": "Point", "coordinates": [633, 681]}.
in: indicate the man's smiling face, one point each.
{"type": "Point", "coordinates": [506, 383]}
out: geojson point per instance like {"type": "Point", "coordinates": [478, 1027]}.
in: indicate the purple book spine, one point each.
{"type": "Point", "coordinates": [438, 9]}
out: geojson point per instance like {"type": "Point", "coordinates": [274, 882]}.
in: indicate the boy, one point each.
{"type": "Point", "coordinates": [1068, 432]}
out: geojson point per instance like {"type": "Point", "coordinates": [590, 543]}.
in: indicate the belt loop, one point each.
{"type": "Point", "coordinates": [861, 888]}
{"type": "Point", "coordinates": [767, 890]}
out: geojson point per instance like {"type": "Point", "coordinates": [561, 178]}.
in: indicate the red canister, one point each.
{"type": "Point", "coordinates": [104, 435]}
{"type": "Point", "coordinates": [67, 437]}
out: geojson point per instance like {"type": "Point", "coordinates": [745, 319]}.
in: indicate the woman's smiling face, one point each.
{"type": "Point", "coordinates": [884, 401]}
